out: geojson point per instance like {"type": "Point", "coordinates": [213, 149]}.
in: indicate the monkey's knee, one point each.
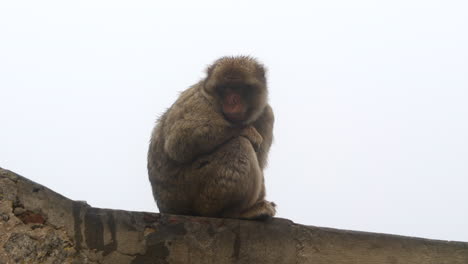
{"type": "Point", "coordinates": [234, 158]}
{"type": "Point", "coordinates": [245, 144]}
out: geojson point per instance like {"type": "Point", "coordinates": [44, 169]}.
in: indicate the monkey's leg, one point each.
{"type": "Point", "coordinates": [232, 180]}
{"type": "Point", "coordinates": [260, 210]}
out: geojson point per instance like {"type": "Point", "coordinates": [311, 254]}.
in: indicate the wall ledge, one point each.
{"type": "Point", "coordinates": [38, 225]}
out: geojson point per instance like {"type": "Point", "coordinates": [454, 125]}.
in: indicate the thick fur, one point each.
{"type": "Point", "coordinates": [199, 163]}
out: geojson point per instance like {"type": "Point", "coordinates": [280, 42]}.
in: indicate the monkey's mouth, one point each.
{"type": "Point", "coordinates": [235, 117]}
{"type": "Point", "coordinates": [234, 109]}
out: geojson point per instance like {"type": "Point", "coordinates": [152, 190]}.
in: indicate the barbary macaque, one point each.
{"type": "Point", "coordinates": [209, 149]}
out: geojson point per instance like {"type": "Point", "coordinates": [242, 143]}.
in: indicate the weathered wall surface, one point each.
{"type": "Point", "coordinates": [38, 225]}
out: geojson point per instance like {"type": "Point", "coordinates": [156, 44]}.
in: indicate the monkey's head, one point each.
{"type": "Point", "coordinates": [239, 86]}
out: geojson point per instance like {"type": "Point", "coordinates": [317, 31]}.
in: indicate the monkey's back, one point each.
{"type": "Point", "coordinates": [173, 187]}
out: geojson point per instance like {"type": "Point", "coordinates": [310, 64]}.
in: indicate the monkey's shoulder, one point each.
{"type": "Point", "coordinates": [192, 105]}
{"type": "Point", "coordinates": [267, 116]}
{"type": "Point", "coordinates": [268, 112]}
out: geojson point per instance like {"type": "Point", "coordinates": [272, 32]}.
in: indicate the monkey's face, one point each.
{"type": "Point", "coordinates": [238, 84]}
{"type": "Point", "coordinates": [234, 105]}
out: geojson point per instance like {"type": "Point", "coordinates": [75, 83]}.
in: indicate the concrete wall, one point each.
{"type": "Point", "coordinates": [38, 225]}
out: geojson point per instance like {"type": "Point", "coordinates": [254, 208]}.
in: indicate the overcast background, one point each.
{"type": "Point", "coordinates": [370, 97]}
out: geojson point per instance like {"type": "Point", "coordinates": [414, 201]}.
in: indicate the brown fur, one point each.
{"type": "Point", "coordinates": [199, 162]}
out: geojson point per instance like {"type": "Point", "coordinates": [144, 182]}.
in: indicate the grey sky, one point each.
{"type": "Point", "coordinates": [370, 100]}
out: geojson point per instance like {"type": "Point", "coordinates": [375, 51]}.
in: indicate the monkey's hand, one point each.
{"type": "Point", "coordinates": [253, 136]}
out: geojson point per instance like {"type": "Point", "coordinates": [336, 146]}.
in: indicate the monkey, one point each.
{"type": "Point", "coordinates": [208, 150]}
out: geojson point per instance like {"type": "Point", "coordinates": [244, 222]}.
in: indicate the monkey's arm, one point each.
{"type": "Point", "coordinates": [264, 125]}
{"type": "Point", "coordinates": [188, 138]}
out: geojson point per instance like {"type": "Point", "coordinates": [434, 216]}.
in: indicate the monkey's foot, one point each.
{"type": "Point", "coordinates": [262, 210]}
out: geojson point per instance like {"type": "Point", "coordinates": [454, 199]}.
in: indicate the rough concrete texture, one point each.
{"type": "Point", "coordinates": [38, 225]}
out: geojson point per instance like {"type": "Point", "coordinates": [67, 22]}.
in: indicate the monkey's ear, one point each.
{"type": "Point", "coordinates": [260, 72]}
{"type": "Point", "coordinates": [210, 69]}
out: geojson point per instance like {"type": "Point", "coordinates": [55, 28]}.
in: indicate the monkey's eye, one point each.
{"type": "Point", "coordinates": [249, 89]}
{"type": "Point", "coordinates": [219, 90]}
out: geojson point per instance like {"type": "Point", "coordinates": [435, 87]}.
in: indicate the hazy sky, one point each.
{"type": "Point", "coordinates": [370, 97]}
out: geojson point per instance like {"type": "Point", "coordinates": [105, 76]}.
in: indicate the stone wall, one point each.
{"type": "Point", "coordinates": [38, 225]}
